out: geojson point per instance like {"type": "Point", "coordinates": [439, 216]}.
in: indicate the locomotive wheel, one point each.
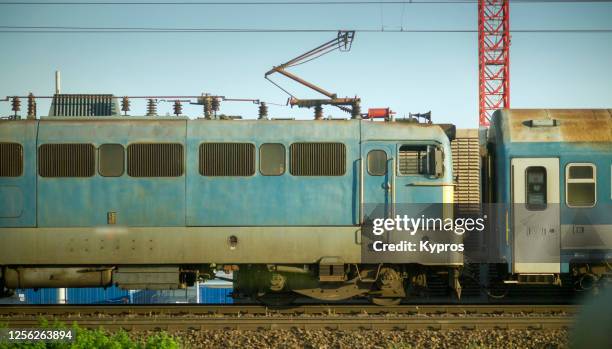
{"type": "Point", "coordinates": [390, 288]}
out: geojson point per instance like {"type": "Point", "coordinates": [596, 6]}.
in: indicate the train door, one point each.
{"type": "Point", "coordinates": [377, 174]}
{"type": "Point", "coordinates": [536, 220]}
{"type": "Point", "coordinates": [18, 173]}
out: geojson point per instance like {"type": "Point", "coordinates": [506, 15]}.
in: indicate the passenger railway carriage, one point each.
{"type": "Point", "coordinates": [91, 198]}
{"type": "Point", "coordinates": [550, 174]}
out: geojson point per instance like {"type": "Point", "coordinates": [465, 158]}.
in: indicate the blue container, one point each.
{"type": "Point", "coordinates": [97, 295]}
{"type": "Point", "coordinates": [215, 295]}
{"type": "Point", "coordinates": [40, 296]}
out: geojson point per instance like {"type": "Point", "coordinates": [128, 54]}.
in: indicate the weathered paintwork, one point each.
{"type": "Point", "coordinates": [84, 202]}
{"type": "Point", "coordinates": [189, 219]}
{"type": "Point", "coordinates": [579, 136]}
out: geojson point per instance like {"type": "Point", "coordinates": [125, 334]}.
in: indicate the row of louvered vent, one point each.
{"type": "Point", "coordinates": [82, 105]}
{"type": "Point", "coordinates": [11, 159]}
{"type": "Point", "coordinates": [466, 169]}
{"type": "Point", "coordinates": [167, 160]}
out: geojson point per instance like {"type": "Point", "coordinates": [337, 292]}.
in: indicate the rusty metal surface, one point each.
{"type": "Point", "coordinates": [174, 317]}
{"type": "Point", "coordinates": [339, 323]}
{"type": "Point", "coordinates": [574, 125]}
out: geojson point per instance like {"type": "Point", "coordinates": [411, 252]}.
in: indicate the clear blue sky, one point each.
{"type": "Point", "coordinates": [409, 72]}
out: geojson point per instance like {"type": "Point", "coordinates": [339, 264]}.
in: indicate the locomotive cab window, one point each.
{"type": "Point", "coordinates": [66, 160]}
{"type": "Point", "coordinates": [272, 159]}
{"type": "Point", "coordinates": [317, 159]}
{"type": "Point", "coordinates": [11, 159]}
{"type": "Point", "coordinates": [111, 158]}
{"type": "Point", "coordinates": [227, 159]}
{"type": "Point", "coordinates": [535, 190]}
{"type": "Point", "coordinates": [155, 160]}
{"type": "Point", "coordinates": [377, 163]}
{"type": "Point", "coordinates": [580, 185]}
{"type": "Point", "coordinates": [420, 160]}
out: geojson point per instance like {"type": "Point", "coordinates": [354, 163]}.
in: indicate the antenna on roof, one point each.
{"type": "Point", "coordinates": [57, 82]}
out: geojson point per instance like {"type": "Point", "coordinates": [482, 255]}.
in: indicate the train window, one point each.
{"type": "Point", "coordinates": [377, 162]}
{"type": "Point", "coordinates": [535, 188]}
{"type": "Point", "coordinates": [580, 185]}
{"type": "Point", "coordinates": [318, 159]}
{"type": "Point", "coordinates": [227, 159]}
{"type": "Point", "coordinates": [420, 160]}
{"type": "Point", "coordinates": [272, 159]}
{"type": "Point", "coordinates": [111, 159]}
{"type": "Point", "coordinates": [155, 160]}
{"type": "Point", "coordinates": [11, 159]}
{"type": "Point", "coordinates": [66, 160]}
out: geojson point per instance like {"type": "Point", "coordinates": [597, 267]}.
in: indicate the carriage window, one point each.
{"type": "Point", "coordinates": [111, 158]}
{"type": "Point", "coordinates": [11, 160]}
{"type": "Point", "coordinates": [420, 160]}
{"type": "Point", "coordinates": [377, 163]}
{"type": "Point", "coordinates": [535, 188]}
{"type": "Point", "coordinates": [318, 159]}
{"type": "Point", "coordinates": [66, 160]}
{"type": "Point", "coordinates": [155, 160]}
{"type": "Point", "coordinates": [227, 159]}
{"type": "Point", "coordinates": [580, 185]}
{"type": "Point", "coordinates": [272, 159]}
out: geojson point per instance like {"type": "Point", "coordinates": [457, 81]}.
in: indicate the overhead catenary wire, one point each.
{"type": "Point", "coordinates": [111, 30]}
{"type": "Point", "coordinates": [277, 3]}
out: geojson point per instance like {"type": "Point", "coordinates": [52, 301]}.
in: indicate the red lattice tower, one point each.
{"type": "Point", "coordinates": [493, 57]}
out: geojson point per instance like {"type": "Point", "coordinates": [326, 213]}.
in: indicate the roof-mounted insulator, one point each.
{"type": "Point", "coordinates": [152, 107]}
{"type": "Point", "coordinates": [31, 106]}
{"type": "Point", "coordinates": [125, 105]}
{"type": "Point", "coordinates": [207, 103]}
{"type": "Point", "coordinates": [178, 108]}
{"type": "Point", "coordinates": [263, 111]}
{"type": "Point", "coordinates": [16, 105]}
{"type": "Point", "coordinates": [215, 105]}
{"type": "Point", "coordinates": [318, 114]}
{"type": "Point", "coordinates": [356, 110]}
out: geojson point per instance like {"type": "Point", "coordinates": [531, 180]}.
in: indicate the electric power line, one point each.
{"type": "Point", "coordinates": [70, 29]}
{"type": "Point", "coordinates": [279, 3]}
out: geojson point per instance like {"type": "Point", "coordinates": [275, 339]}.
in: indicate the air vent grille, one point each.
{"type": "Point", "coordinates": [318, 159]}
{"type": "Point", "coordinates": [66, 160]}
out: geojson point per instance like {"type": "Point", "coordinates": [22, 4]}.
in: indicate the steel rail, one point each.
{"type": "Point", "coordinates": [319, 322]}
{"type": "Point", "coordinates": [240, 309]}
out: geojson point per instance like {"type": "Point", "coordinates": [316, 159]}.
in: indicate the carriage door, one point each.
{"type": "Point", "coordinates": [377, 179]}
{"type": "Point", "coordinates": [536, 221]}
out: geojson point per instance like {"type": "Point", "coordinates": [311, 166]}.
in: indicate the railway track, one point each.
{"type": "Point", "coordinates": [254, 317]}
